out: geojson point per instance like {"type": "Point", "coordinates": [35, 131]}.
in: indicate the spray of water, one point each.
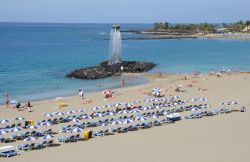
{"type": "Point", "coordinates": [115, 45]}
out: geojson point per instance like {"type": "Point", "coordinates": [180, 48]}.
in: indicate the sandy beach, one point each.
{"type": "Point", "coordinates": [221, 138]}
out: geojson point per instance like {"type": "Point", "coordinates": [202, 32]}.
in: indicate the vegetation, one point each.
{"type": "Point", "coordinates": [201, 28]}
{"type": "Point", "coordinates": [238, 26]}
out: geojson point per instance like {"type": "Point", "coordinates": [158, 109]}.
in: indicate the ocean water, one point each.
{"type": "Point", "coordinates": [35, 57]}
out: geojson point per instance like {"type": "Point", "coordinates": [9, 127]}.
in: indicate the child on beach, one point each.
{"type": "Point", "coordinates": [81, 94]}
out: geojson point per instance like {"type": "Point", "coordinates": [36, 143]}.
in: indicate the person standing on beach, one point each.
{"type": "Point", "coordinates": [123, 82]}
{"type": "Point", "coordinates": [81, 94]}
{"type": "Point", "coordinates": [7, 102]}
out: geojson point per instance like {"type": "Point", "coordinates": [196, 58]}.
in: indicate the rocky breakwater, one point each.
{"type": "Point", "coordinates": [104, 70]}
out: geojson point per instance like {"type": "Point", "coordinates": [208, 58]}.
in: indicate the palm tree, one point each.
{"type": "Point", "coordinates": [247, 22]}
{"type": "Point", "coordinates": [166, 25]}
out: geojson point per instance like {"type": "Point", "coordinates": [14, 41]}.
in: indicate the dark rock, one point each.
{"type": "Point", "coordinates": [105, 70]}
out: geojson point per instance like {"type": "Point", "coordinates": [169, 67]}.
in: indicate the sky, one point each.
{"type": "Point", "coordinates": [124, 11]}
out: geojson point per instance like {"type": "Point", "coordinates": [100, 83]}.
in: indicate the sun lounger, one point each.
{"type": "Point", "coordinates": [24, 147]}
{"type": "Point", "coordinates": [9, 153]}
{"type": "Point", "coordinates": [7, 140]}
{"type": "Point", "coordinates": [62, 139]}
{"type": "Point", "coordinates": [122, 130]}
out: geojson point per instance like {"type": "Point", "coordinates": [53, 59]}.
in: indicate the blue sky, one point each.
{"type": "Point", "coordinates": [124, 11]}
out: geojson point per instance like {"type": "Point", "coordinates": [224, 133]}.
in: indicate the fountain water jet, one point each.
{"type": "Point", "coordinates": [115, 45]}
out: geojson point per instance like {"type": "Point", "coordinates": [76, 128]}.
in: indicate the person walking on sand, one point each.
{"type": "Point", "coordinates": [123, 82]}
{"type": "Point", "coordinates": [81, 94]}
{"type": "Point", "coordinates": [7, 101]}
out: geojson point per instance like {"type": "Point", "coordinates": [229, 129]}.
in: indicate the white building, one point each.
{"type": "Point", "coordinates": [246, 29]}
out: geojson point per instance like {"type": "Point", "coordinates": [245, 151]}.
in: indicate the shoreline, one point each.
{"type": "Point", "coordinates": [153, 35]}
{"type": "Point", "coordinates": [151, 78]}
{"type": "Point", "coordinates": [98, 89]}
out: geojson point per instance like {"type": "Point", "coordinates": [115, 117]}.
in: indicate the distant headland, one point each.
{"type": "Point", "coordinates": [167, 30]}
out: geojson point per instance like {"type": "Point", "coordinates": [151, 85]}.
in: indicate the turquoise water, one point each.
{"type": "Point", "coordinates": [35, 57]}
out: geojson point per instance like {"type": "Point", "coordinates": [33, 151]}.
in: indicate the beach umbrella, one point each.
{"type": "Point", "coordinates": [116, 122]}
{"type": "Point", "coordinates": [53, 113]}
{"type": "Point", "coordinates": [156, 107]}
{"type": "Point", "coordinates": [145, 108]}
{"type": "Point", "coordinates": [30, 138]}
{"type": "Point", "coordinates": [156, 100]}
{"type": "Point", "coordinates": [5, 121]}
{"type": "Point", "coordinates": [164, 99]}
{"type": "Point", "coordinates": [234, 103]}
{"type": "Point", "coordinates": [185, 101]}
{"type": "Point", "coordinates": [176, 103]}
{"type": "Point", "coordinates": [59, 113]}
{"type": "Point", "coordinates": [48, 136]}
{"type": "Point", "coordinates": [77, 130]}
{"type": "Point", "coordinates": [59, 98]}
{"type": "Point", "coordinates": [175, 97]}
{"type": "Point", "coordinates": [147, 100]}
{"type": "Point", "coordinates": [155, 116]}
{"type": "Point", "coordinates": [127, 121]}
{"type": "Point", "coordinates": [15, 129]}
{"type": "Point", "coordinates": [75, 120]}
{"type": "Point", "coordinates": [2, 132]}
{"type": "Point", "coordinates": [45, 124]}
{"type": "Point", "coordinates": [111, 113]}
{"type": "Point", "coordinates": [63, 131]}
{"type": "Point", "coordinates": [156, 91]}
{"type": "Point", "coordinates": [193, 99]}
{"type": "Point", "coordinates": [107, 106]}
{"type": "Point", "coordinates": [32, 127]}
{"type": "Point", "coordinates": [107, 92]}
{"type": "Point", "coordinates": [140, 118]}
{"type": "Point", "coordinates": [82, 110]}
{"type": "Point", "coordinates": [97, 108]}
{"type": "Point", "coordinates": [165, 112]}
{"type": "Point", "coordinates": [203, 99]}
{"type": "Point", "coordinates": [87, 117]}
{"type": "Point", "coordinates": [205, 106]}
{"type": "Point", "coordinates": [223, 103]}
{"type": "Point", "coordinates": [18, 118]}
{"type": "Point", "coordinates": [71, 112]}
{"type": "Point", "coordinates": [48, 114]}
{"type": "Point", "coordinates": [128, 105]}
{"type": "Point", "coordinates": [195, 108]}
{"type": "Point", "coordinates": [117, 104]}
{"type": "Point", "coordinates": [123, 112]}
{"type": "Point", "coordinates": [135, 102]}
{"type": "Point", "coordinates": [135, 111]}
{"type": "Point", "coordinates": [98, 114]}
{"type": "Point", "coordinates": [102, 124]}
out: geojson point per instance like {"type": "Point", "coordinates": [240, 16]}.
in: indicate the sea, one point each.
{"type": "Point", "coordinates": [35, 57]}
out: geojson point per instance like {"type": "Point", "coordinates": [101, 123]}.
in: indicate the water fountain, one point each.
{"type": "Point", "coordinates": [114, 65]}
{"type": "Point", "coordinates": [115, 45]}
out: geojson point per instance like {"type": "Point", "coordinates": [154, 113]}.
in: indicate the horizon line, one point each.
{"type": "Point", "coordinates": [43, 22]}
